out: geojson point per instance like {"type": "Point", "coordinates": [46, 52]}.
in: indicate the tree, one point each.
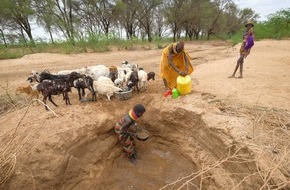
{"type": "Point", "coordinates": [232, 21]}
{"type": "Point", "coordinates": [3, 37]}
{"type": "Point", "coordinates": [44, 16]}
{"type": "Point", "coordinates": [174, 15]}
{"type": "Point", "coordinates": [88, 16]}
{"type": "Point", "coordinates": [218, 6]}
{"type": "Point", "coordinates": [3, 23]}
{"type": "Point", "coordinates": [65, 17]}
{"type": "Point", "coordinates": [145, 15]}
{"type": "Point", "coordinates": [247, 14]}
{"type": "Point", "coordinates": [19, 11]}
{"type": "Point", "coordinates": [127, 12]}
{"type": "Point", "coordinates": [279, 22]}
{"type": "Point", "coordinates": [193, 22]}
{"type": "Point", "coordinates": [159, 22]}
{"type": "Point", "coordinates": [105, 14]}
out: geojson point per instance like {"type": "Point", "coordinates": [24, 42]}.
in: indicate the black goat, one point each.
{"type": "Point", "coordinates": [133, 81]}
{"type": "Point", "coordinates": [69, 78]}
{"type": "Point", "coordinates": [85, 82]}
{"type": "Point", "coordinates": [54, 87]}
{"type": "Point", "coordinates": [150, 75]}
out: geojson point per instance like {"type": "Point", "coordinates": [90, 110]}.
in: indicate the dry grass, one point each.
{"type": "Point", "coordinates": [8, 160]}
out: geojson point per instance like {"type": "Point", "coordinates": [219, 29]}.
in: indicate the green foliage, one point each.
{"type": "Point", "coordinates": [13, 53]}
{"type": "Point", "coordinates": [97, 43]}
{"type": "Point", "coordinates": [277, 27]}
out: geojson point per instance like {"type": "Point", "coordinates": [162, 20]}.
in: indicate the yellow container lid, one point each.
{"type": "Point", "coordinates": [183, 79]}
{"type": "Point", "coordinates": [184, 84]}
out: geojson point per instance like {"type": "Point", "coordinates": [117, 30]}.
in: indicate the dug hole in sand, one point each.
{"type": "Point", "coordinates": [208, 139]}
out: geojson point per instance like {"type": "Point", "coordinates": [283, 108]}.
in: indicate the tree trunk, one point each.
{"type": "Point", "coordinates": [3, 38]}
{"type": "Point", "coordinates": [30, 37]}
{"type": "Point", "coordinates": [23, 36]}
{"type": "Point", "coordinates": [174, 36]}
{"type": "Point", "coordinates": [51, 38]}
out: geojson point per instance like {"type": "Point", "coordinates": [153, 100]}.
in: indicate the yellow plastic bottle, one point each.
{"type": "Point", "coordinates": [184, 84]}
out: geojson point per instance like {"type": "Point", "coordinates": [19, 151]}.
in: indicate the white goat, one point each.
{"type": "Point", "coordinates": [121, 80]}
{"type": "Point", "coordinates": [127, 76]}
{"type": "Point", "coordinates": [33, 76]}
{"type": "Point", "coordinates": [95, 71]}
{"type": "Point", "coordinates": [33, 72]}
{"type": "Point", "coordinates": [105, 89]}
{"type": "Point", "coordinates": [142, 76]}
{"type": "Point", "coordinates": [66, 72]}
{"type": "Point", "coordinates": [126, 64]}
{"type": "Point", "coordinates": [130, 66]}
{"type": "Point", "coordinates": [106, 80]}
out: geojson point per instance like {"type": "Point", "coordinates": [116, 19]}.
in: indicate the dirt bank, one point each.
{"type": "Point", "coordinates": [226, 134]}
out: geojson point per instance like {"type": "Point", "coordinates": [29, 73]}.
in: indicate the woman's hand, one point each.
{"type": "Point", "coordinates": [183, 73]}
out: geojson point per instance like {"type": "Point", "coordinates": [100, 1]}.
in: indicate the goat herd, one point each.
{"type": "Point", "coordinates": [98, 79]}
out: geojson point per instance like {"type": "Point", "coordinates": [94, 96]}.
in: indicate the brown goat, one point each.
{"type": "Point", "coordinates": [113, 75]}
{"type": "Point", "coordinates": [27, 90]}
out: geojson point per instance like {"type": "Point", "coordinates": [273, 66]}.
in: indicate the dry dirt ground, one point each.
{"type": "Point", "coordinates": [226, 134]}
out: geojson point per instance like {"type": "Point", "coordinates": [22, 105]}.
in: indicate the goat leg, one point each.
{"type": "Point", "coordinates": [50, 99]}
{"type": "Point", "coordinates": [44, 101]}
{"type": "Point", "coordinates": [137, 86]}
{"type": "Point", "coordinates": [94, 97]}
{"type": "Point", "coordinates": [83, 90]}
{"type": "Point", "coordinates": [94, 93]}
{"type": "Point", "coordinates": [67, 99]}
{"type": "Point", "coordinates": [108, 96]}
{"type": "Point", "coordinates": [79, 92]}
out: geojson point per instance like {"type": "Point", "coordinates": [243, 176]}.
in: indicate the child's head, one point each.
{"type": "Point", "coordinates": [139, 109]}
{"type": "Point", "coordinates": [249, 25]}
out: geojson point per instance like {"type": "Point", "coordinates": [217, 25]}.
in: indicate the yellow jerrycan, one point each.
{"type": "Point", "coordinates": [184, 84]}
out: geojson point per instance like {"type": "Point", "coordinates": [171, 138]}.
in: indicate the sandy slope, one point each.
{"type": "Point", "coordinates": [266, 76]}
{"type": "Point", "coordinates": [77, 148]}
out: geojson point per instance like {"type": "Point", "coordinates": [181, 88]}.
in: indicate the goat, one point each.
{"type": "Point", "coordinates": [121, 80]}
{"type": "Point", "coordinates": [133, 81]}
{"type": "Point", "coordinates": [27, 90]}
{"type": "Point", "coordinates": [106, 80]}
{"type": "Point", "coordinates": [85, 82]}
{"type": "Point", "coordinates": [54, 87]}
{"type": "Point", "coordinates": [33, 76]}
{"type": "Point", "coordinates": [33, 79]}
{"type": "Point", "coordinates": [150, 75]}
{"type": "Point", "coordinates": [126, 65]}
{"type": "Point", "coordinates": [113, 75]}
{"type": "Point", "coordinates": [33, 72]}
{"type": "Point", "coordinates": [69, 78]}
{"type": "Point", "coordinates": [106, 89]}
{"type": "Point", "coordinates": [95, 71]}
{"type": "Point", "coordinates": [142, 79]}
{"type": "Point", "coordinates": [66, 72]}
{"type": "Point", "coordinates": [45, 75]}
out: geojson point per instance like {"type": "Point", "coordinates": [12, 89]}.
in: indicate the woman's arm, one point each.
{"type": "Point", "coordinates": [170, 60]}
{"type": "Point", "coordinates": [184, 73]}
